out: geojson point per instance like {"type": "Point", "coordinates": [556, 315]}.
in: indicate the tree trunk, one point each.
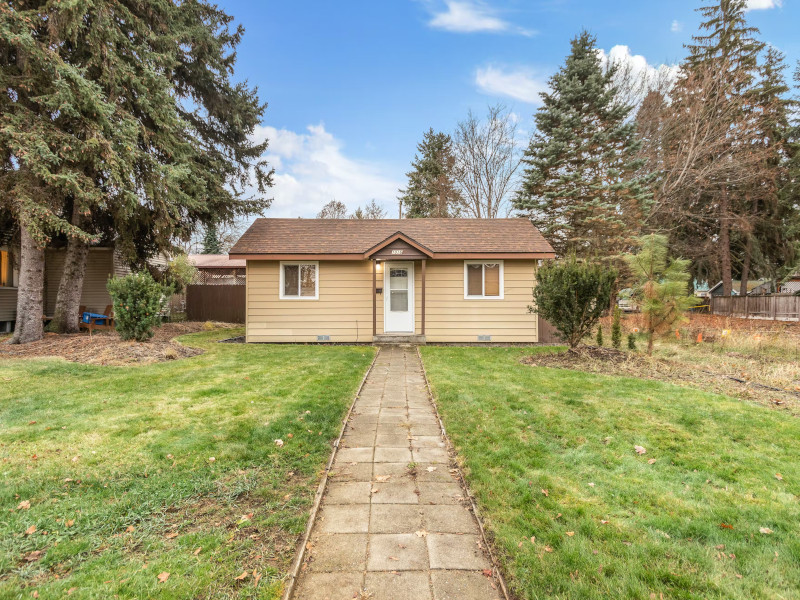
{"type": "Point", "coordinates": [748, 251]}
{"type": "Point", "coordinates": [30, 292]}
{"type": "Point", "coordinates": [66, 318]}
{"type": "Point", "coordinates": [725, 243]}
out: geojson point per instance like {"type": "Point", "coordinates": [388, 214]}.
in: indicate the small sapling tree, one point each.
{"type": "Point", "coordinates": [662, 286]}
{"type": "Point", "coordinates": [572, 295]}
{"type": "Point", "coordinates": [616, 329]}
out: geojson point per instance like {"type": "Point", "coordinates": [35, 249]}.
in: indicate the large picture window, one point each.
{"type": "Point", "coordinates": [483, 279]}
{"type": "Point", "coordinates": [300, 280]}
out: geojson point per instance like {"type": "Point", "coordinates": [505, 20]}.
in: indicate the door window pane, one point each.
{"type": "Point", "coordinates": [491, 279]}
{"type": "Point", "coordinates": [308, 280]}
{"type": "Point", "coordinates": [474, 280]}
{"type": "Point", "coordinates": [398, 301]}
{"type": "Point", "coordinates": [291, 280]}
{"type": "Point", "coordinates": [398, 279]}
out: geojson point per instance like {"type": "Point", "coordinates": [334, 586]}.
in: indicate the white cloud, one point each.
{"type": "Point", "coordinates": [311, 169]}
{"type": "Point", "coordinates": [676, 27]}
{"type": "Point", "coordinates": [639, 76]}
{"type": "Point", "coordinates": [466, 16]}
{"type": "Point", "coordinates": [519, 83]}
{"type": "Point", "coordinates": [763, 4]}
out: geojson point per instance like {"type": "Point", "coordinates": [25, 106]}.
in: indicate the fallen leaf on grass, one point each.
{"type": "Point", "coordinates": [172, 535]}
{"type": "Point", "coordinates": [279, 443]}
{"type": "Point", "coordinates": [548, 549]}
{"type": "Point", "coordinates": [725, 526]}
{"type": "Point", "coordinates": [640, 449]}
{"type": "Point", "coordinates": [162, 577]}
{"type": "Point", "coordinates": [778, 476]}
{"type": "Point", "coordinates": [256, 577]}
{"type": "Point", "coordinates": [212, 459]}
{"type": "Point", "coordinates": [243, 576]}
{"type": "Point", "coordinates": [196, 552]}
{"type": "Point", "coordinates": [765, 530]}
{"type": "Point", "coordinates": [33, 556]}
{"type": "Point", "coordinates": [130, 529]}
{"type": "Point", "coordinates": [30, 530]}
{"type": "Point", "coordinates": [570, 533]}
{"type": "Point", "coordinates": [24, 505]}
{"type": "Point", "coordinates": [545, 492]}
{"type": "Point", "coordinates": [71, 522]}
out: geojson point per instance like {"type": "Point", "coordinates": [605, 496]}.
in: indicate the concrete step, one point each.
{"type": "Point", "coordinates": [393, 339]}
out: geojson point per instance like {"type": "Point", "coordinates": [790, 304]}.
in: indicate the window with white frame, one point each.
{"type": "Point", "coordinates": [483, 279]}
{"type": "Point", "coordinates": [299, 280]}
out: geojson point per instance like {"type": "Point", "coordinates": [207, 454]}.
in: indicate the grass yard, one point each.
{"type": "Point", "coordinates": [107, 479]}
{"type": "Point", "coordinates": [575, 511]}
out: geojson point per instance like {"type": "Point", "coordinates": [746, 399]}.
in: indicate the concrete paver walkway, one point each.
{"type": "Point", "coordinates": [394, 523]}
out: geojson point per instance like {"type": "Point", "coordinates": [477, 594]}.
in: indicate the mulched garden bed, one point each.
{"type": "Point", "coordinates": [106, 348]}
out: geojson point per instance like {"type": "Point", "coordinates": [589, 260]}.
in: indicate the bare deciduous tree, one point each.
{"type": "Point", "coordinates": [487, 158]}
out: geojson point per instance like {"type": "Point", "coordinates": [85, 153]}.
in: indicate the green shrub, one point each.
{"type": "Point", "coordinates": [631, 342]}
{"type": "Point", "coordinates": [180, 273]}
{"type": "Point", "coordinates": [600, 335]}
{"type": "Point", "coordinates": [572, 295]}
{"type": "Point", "coordinates": [616, 329]}
{"type": "Point", "coordinates": [138, 302]}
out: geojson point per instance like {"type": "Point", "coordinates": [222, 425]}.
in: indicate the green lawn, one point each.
{"type": "Point", "coordinates": [115, 463]}
{"type": "Point", "coordinates": [612, 525]}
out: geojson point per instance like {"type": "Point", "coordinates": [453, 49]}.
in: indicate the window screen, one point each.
{"type": "Point", "coordinates": [300, 281]}
{"type": "Point", "coordinates": [474, 280]}
{"type": "Point", "coordinates": [491, 279]}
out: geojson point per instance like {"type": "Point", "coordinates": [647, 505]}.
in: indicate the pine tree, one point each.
{"type": "Point", "coordinates": [714, 137]}
{"type": "Point", "coordinates": [211, 243]}
{"type": "Point", "coordinates": [616, 329]}
{"type": "Point", "coordinates": [120, 120]}
{"type": "Point", "coordinates": [431, 189]}
{"type": "Point", "coordinates": [580, 186]}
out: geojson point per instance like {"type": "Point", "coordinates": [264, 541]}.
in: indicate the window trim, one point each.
{"type": "Point", "coordinates": [483, 279]}
{"type": "Point", "coordinates": [300, 263]}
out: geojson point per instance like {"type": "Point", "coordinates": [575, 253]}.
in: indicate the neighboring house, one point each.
{"type": "Point", "coordinates": [218, 269]}
{"type": "Point", "coordinates": [791, 285]}
{"type": "Point", "coordinates": [9, 278]}
{"type": "Point", "coordinates": [348, 280]}
{"type": "Point", "coordinates": [625, 301]}
{"type": "Point", "coordinates": [757, 287]}
{"type": "Point", "coordinates": [101, 264]}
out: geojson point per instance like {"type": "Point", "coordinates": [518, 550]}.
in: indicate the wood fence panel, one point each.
{"type": "Point", "coordinates": [777, 307]}
{"type": "Point", "coordinates": [547, 333]}
{"type": "Point", "coordinates": [224, 303]}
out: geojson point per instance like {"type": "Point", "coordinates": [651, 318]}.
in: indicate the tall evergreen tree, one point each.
{"type": "Point", "coordinates": [717, 85]}
{"type": "Point", "coordinates": [431, 189]}
{"type": "Point", "coordinates": [211, 243]}
{"type": "Point", "coordinates": [120, 119]}
{"type": "Point", "coordinates": [580, 186]}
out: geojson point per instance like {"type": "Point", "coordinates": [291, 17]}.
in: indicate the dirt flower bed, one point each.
{"type": "Point", "coordinates": [106, 348]}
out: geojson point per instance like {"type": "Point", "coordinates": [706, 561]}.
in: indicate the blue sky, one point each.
{"type": "Point", "coordinates": [352, 84]}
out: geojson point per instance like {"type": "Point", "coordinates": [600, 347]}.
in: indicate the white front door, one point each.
{"type": "Point", "coordinates": [398, 297]}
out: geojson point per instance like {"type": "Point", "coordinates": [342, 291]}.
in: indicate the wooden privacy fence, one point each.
{"type": "Point", "coordinates": [776, 307]}
{"type": "Point", "coordinates": [224, 303]}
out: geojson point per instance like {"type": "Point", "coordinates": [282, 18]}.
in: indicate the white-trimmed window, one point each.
{"type": "Point", "coordinates": [483, 279]}
{"type": "Point", "coordinates": [299, 281]}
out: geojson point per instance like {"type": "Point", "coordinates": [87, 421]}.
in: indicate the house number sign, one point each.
{"type": "Point", "coordinates": [397, 251]}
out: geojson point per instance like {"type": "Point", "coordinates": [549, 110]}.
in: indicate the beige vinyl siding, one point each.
{"type": "Point", "coordinates": [99, 267]}
{"type": "Point", "coordinates": [344, 308]}
{"type": "Point", "coordinates": [452, 318]}
{"type": "Point", "coordinates": [8, 304]}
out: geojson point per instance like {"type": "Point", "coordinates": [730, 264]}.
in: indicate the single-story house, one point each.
{"type": "Point", "coordinates": [791, 285]}
{"type": "Point", "coordinates": [755, 287]}
{"type": "Point", "coordinates": [350, 280]}
{"type": "Point", "coordinates": [218, 269]}
{"type": "Point", "coordinates": [102, 263]}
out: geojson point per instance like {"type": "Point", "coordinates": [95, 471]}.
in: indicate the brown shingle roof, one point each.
{"type": "Point", "coordinates": [355, 236]}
